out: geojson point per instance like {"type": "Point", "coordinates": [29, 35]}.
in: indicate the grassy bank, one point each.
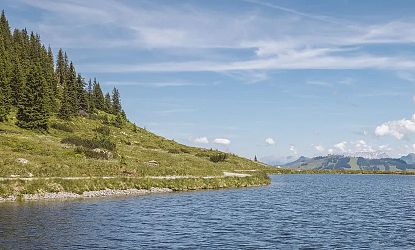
{"type": "Point", "coordinates": [21, 187]}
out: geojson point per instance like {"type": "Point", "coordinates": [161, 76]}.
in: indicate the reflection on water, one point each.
{"type": "Point", "coordinates": [296, 211]}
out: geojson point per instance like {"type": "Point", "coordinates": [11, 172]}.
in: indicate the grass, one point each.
{"type": "Point", "coordinates": [66, 151]}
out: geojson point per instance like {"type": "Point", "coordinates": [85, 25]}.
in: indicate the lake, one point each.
{"type": "Point", "coordinates": [295, 211]}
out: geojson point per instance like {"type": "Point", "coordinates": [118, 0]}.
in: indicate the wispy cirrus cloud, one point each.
{"type": "Point", "coordinates": [148, 25]}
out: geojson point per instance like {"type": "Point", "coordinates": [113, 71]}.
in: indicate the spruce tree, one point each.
{"type": "Point", "coordinates": [61, 69]}
{"type": "Point", "coordinates": [32, 110]}
{"type": "Point", "coordinates": [82, 95]}
{"type": "Point", "coordinates": [108, 103]}
{"type": "Point", "coordinates": [5, 90]}
{"type": "Point", "coordinates": [90, 96]}
{"type": "Point", "coordinates": [98, 96]}
{"type": "Point", "coordinates": [116, 102]}
{"type": "Point", "coordinates": [16, 82]}
{"type": "Point", "coordinates": [70, 105]}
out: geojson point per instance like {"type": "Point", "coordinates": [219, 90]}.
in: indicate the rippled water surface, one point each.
{"type": "Point", "coordinates": [296, 211]}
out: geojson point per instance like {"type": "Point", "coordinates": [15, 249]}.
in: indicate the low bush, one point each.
{"type": "Point", "coordinates": [185, 150]}
{"type": "Point", "coordinates": [90, 143]}
{"type": "Point", "coordinates": [103, 130]}
{"type": "Point", "coordinates": [203, 154]}
{"type": "Point", "coordinates": [96, 154]}
{"type": "Point", "coordinates": [62, 127]}
{"type": "Point", "coordinates": [174, 151]}
{"type": "Point", "coordinates": [218, 157]}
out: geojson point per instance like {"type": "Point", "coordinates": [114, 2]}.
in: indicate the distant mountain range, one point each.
{"type": "Point", "coordinates": [353, 163]}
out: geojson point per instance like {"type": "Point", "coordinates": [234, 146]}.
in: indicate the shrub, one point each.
{"type": "Point", "coordinates": [135, 130]}
{"type": "Point", "coordinates": [62, 126]}
{"type": "Point", "coordinates": [119, 121]}
{"type": "Point", "coordinates": [185, 150]}
{"type": "Point", "coordinates": [103, 130]}
{"type": "Point", "coordinates": [203, 154]}
{"type": "Point", "coordinates": [218, 157]}
{"type": "Point", "coordinates": [96, 154]}
{"type": "Point", "coordinates": [90, 143]}
{"type": "Point", "coordinates": [174, 151]}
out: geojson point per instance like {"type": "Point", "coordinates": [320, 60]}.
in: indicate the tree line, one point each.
{"type": "Point", "coordinates": [36, 86]}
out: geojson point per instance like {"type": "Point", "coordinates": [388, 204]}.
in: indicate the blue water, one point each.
{"type": "Point", "coordinates": [295, 212]}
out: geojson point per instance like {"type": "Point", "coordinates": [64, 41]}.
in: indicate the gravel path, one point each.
{"type": "Point", "coordinates": [168, 177]}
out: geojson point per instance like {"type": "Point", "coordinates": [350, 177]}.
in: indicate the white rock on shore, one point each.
{"type": "Point", "coordinates": [87, 194]}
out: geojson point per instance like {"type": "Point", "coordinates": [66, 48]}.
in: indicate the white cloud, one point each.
{"type": "Point", "coordinates": [270, 141]}
{"type": "Point", "coordinates": [399, 129]}
{"type": "Point", "coordinates": [293, 149]}
{"type": "Point", "coordinates": [201, 140]}
{"type": "Point", "coordinates": [413, 98]}
{"type": "Point", "coordinates": [341, 146]}
{"type": "Point", "coordinates": [222, 141]}
{"type": "Point", "coordinates": [319, 148]}
{"type": "Point", "coordinates": [279, 63]}
{"type": "Point", "coordinates": [413, 147]}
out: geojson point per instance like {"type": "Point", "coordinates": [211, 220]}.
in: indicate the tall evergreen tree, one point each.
{"type": "Point", "coordinates": [17, 81]}
{"type": "Point", "coordinates": [81, 94]}
{"type": "Point", "coordinates": [70, 104]}
{"type": "Point", "coordinates": [32, 110]}
{"type": "Point", "coordinates": [61, 69]}
{"type": "Point", "coordinates": [5, 67]}
{"type": "Point", "coordinates": [116, 102]}
{"type": "Point", "coordinates": [107, 103]}
{"type": "Point", "coordinates": [90, 96]}
{"type": "Point", "coordinates": [98, 96]}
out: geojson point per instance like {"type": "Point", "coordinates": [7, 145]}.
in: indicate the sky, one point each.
{"type": "Point", "coordinates": [277, 79]}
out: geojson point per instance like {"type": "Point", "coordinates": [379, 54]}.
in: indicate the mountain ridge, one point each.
{"type": "Point", "coordinates": [335, 162]}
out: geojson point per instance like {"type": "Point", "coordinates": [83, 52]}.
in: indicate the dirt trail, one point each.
{"type": "Point", "coordinates": [167, 177]}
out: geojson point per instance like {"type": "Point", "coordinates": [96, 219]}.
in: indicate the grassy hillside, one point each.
{"type": "Point", "coordinates": [94, 147]}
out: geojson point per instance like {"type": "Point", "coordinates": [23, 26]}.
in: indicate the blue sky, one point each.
{"type": "Point", "coordinates": [276, 79]}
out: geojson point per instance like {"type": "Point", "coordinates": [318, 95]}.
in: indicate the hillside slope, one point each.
{"type": "Point", "coordinates": [130, 156]}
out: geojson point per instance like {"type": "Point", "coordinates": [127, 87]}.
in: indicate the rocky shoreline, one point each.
{"type": "Point", "coordinates": [84, 195]}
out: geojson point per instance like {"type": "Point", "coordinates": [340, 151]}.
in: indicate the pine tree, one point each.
{"type": "Point", "coordinates": [32, 110]}
{"type": "Point", "coordinates": [98, 96]}
{"type": "Point", "coordinates": [70, 104]}
{"type": "Point", "coordinates": [90, 96]}
{"type": "Point", "coordinates": [4, 99]}
{"type": "Point", "coordinates": [5, 67]}
{"type": "Point", "coordinates": [108, 103]}
{"type": "Point", "coordinates": [61, 68]}
{"type": "Point", "coordinates": [17, 81]}
{"type": "Point", "coordinates": [82, 96]}
{"type": "Point", "coordinates": [255, 159]}
{"type": "Point", "coordinates": [116, 102]}
{"type": "Point", "coordinates": [51, 78]}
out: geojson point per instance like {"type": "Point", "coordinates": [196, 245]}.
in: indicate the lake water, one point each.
{"type": "Point", "coordinates": [295, 212]}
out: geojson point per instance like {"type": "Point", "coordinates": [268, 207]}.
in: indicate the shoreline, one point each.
{"type": "Point", "coordinates": [64, 196]}
{"type": "Point", "coordinates": [85, 195]}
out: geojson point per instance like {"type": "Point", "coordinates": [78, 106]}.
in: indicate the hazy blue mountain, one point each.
{"type": "Point", "coordinates": [410, 158]}
{"type": "Point", "coordinates": [347, 162]}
